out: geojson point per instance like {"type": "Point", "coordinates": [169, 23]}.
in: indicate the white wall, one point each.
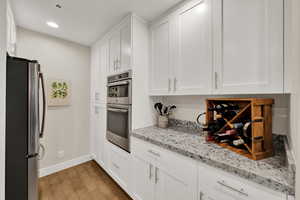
{"type": "Point", "coordinates": [67, 128]}
{"type": "Point", "coordinates": [2, 94]}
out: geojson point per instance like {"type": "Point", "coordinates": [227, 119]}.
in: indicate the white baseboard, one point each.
{"type": "Point", "coordinates": [64, 165]}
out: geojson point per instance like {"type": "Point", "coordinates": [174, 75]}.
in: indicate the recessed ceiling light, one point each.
{"type": "Point", "coordinates": [52, 24]}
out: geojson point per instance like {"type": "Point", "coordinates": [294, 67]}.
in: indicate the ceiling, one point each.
{"type": "Point", "coordinates": [83, 21]}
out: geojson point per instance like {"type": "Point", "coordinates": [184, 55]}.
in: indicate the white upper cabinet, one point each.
{"type": "Point", "coordinates": [11, 32]}
{"type": "Point", "coordinates": [193, 67]}
{"type": "Point", "coordinates": [126, 46]}
{"type": "Point", "coordinates": [120, 47]}
{"type": "Point", "coordinates": [219, 47]}
{"type": "Point", "coordinates": [114, 52]}
{"type": "Point", "coordinates": [182, 51]}
{"type": "Point", "coordinates": [160, 71]}
{"type": "Point", "coordinates": [249, 46]}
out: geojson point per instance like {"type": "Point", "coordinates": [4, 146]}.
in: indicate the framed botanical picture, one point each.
{"type": "Point", "coordinates": [59, 92]}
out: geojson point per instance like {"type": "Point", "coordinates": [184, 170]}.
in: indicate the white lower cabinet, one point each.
{"type": "Point", "coordinates": [162, 175]}
{"type": "Point", "coordinates": [118, 166]}
{"type": "Point", "coordinates": [100, 134]}
{"type": "Point", "coordinates": [143, 185]}
{"type": "Point", "coordinates": [204, 196]}
{"type": "Point", "coordinates": [171, 187]}
{"type": "Point", "coordinates": [216, 184]}
{"type": "Point", "coordinates": [159, 174]}
{"type": "Point", "coordinates": [98, 131]}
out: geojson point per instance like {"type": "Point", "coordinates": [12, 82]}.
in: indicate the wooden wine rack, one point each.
{"type": "Point", "coordinates": [257, 110]}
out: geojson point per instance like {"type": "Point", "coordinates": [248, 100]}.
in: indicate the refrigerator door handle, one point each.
{"type": "Point", "coordinates": [41, 76]}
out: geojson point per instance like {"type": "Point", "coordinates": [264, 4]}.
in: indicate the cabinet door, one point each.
{"type": "Point", "coordinates": [125, 34]}
{"type": "Point", "coordinates": [101, 77]}
{"type": "Point", "coordinates": [143, 175]}
{"type": "Point", "coordinates": [226, 186]}
{"type": "Point", "coordinates": [194, 68]}
{"type": "Point", "coordinates": [160, 74]}
{"type": "Point", "coordinates": [118, 164]}
{"type": "Point", "coordinates": [170, 186]}
{"type": "Point", "coordinates": [249, 50]}
{"type": "Point", "coordinates": [204, 196]}
{"type": "Point", "coordinates": [114, 52]}
{"type": "Point", "coordinates": [94, 72]}
{"type": "Point", "coordinates": [100, 133]}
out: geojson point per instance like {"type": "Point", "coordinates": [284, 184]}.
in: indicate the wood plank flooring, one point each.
{"type": "Point", "coordinates": [83, 182]}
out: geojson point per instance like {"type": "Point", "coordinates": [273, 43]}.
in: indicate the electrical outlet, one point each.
{"type": "Point", "coordinates": [60, 154]}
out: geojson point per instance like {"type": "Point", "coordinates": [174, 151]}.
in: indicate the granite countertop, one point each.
{"type": "Point", "coordinates": [271, 172]}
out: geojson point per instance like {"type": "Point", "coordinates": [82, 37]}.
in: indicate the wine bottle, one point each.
{"type": "Point", "coordinates": [238, 142]}
{"type": "Point", "coordinates": [236, 125]}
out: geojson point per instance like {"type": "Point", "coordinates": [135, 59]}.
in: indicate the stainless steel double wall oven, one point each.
{"type": "Point", "coordinates": [119, 109]}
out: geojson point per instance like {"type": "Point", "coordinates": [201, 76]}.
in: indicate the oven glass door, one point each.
{"type": "Point", "coordinates": [118, 90]}
{"type": "Point", "coordinates": [118, 121]}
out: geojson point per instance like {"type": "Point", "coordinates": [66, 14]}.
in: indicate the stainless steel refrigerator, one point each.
{"type": "Point", "coordinates": [25, 123]}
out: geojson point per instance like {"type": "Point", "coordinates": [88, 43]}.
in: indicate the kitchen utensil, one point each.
{"type": "Point", "coordinates": [166, 110]}
{"type": "Point", "coordinates": [170, 108]}
{"type": "Point", "coordinates": [158, 107]}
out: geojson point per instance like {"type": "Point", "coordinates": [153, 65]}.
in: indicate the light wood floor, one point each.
{"type": "Point", "coordinates": [83, 182]}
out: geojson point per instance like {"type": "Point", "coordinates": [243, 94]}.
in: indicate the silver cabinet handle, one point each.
{"type": "Point", "coordinates": [156, 175]}
{"type": "Point", "coordinates": [150, 171]}
{"type": "Point", "coordinates": [41, 76]}
{"type": "Point", "coordinates": [154, 153]}
{"type": "Point", "coordinates": [241, 191]}
{"type": "Point", "coordinates": [216, 80]}
{"type": "Point", "coordinates": [118, 63]}
{"type": "Point", "coordinates": [118, 83]}
{"type": "Point", "coordinates": [201, 195]}
{"type": "Point", "coordinates": [42, 152]}
{"type": "Point", "coordinates": [117, 110]}
{"type": "Point", "coordinates": [116, 166]}
{"type": "Point", "coordinates": [169, 84]}
{"type": "Point", "coordinates": [175, 84]}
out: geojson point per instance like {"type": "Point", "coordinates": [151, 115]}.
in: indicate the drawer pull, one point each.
{"type": "Point", "coordinates": [156, 175]}
{"type": "Point", "coordinates": [116, 166]}
{"type": "Point", "coordinates": [154, 153]}
{"type": "Point", "coordinates": [201, 195]}
{"type": "Point", "coordinates": [150, 171]}
{"type": "Point", "coordinates": [241, 191]}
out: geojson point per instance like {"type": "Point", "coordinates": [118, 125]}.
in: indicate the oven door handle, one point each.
{"type": "Point", "coordinates": [118, 83]}
{"type": "Point", "coordinates": [117, 110]}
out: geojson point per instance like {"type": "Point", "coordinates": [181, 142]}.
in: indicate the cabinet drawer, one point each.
{"type": "Point", "coordinates": [230, 187]}
{"type": "Point", "coordinates": [119, 165]}
{"type": "Point", "coordinates": [146, 150]}
{"type": "Point", "coordinates": [178, 165]}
